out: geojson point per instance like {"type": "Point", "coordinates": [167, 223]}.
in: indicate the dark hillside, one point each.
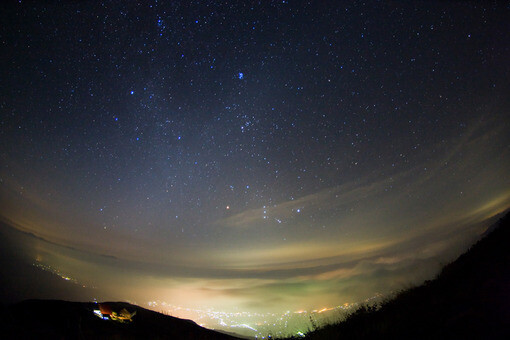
{"type": "Point", "coordinates": [52, 319]}
{"type": "Point", "coordinates": [470, 299]}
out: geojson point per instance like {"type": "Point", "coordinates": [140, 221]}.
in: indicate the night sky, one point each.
{"type": "Point", "coordinates": [272, 155]}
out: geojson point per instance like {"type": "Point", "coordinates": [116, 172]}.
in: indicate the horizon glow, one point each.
{"type": "Point", "coordinates": [361, 148]}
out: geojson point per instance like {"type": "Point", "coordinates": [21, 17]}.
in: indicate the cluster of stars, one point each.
{"type": "Point", "coordinates": [269, 153]}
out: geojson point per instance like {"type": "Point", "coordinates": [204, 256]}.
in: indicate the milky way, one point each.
{"type": "Point", "coordinates": [272, 155]}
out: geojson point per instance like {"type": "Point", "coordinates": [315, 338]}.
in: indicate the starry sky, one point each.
{"type": "Point", "coordinates": [268, 155]}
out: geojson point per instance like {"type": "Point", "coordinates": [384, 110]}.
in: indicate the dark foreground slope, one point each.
{"type": "Point", "coordinates": [470, 299]}
{"type": "Point", "coordinates": [52, 319]}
